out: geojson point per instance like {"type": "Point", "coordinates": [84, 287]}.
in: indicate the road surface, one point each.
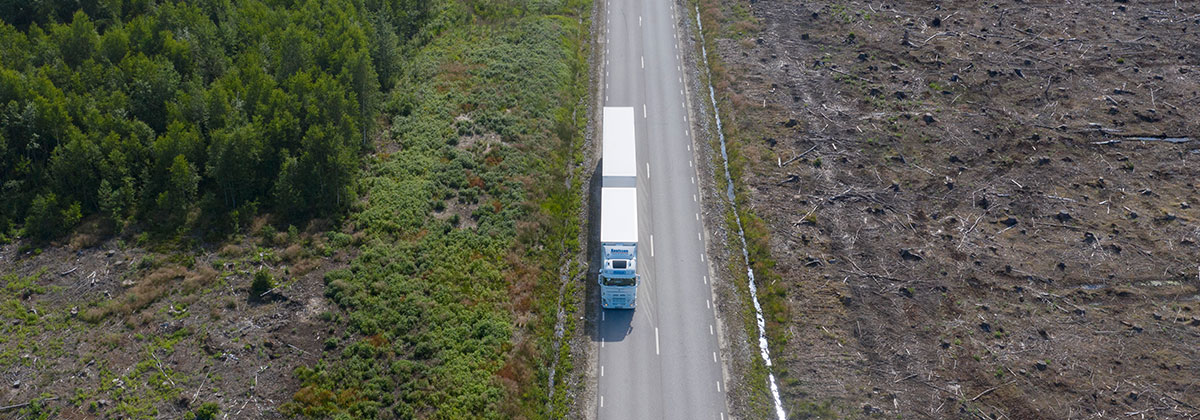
{"type": "Point", "coordinates": [661, 360]}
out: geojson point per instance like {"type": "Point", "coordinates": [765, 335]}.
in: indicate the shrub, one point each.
{"type": "Point", "coordinates": [261, 284]}
{"type": "Point", "coordinates": [206, 411]}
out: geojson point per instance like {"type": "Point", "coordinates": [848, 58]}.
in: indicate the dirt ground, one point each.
{"type": "Point", "coordinates": [199, 339]}
{"type": "Point", "coordinates": [980, 209]}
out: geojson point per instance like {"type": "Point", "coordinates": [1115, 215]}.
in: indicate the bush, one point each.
{"type": "Point", "coordinates": [261, 284]}
{"type": "Point", "coordinates": [206, 411]}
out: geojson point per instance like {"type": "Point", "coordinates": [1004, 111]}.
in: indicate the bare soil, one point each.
{"type": "Point", "coordinates": [199, 339]}
{"type": "Point", "coordinates": [978, 209]}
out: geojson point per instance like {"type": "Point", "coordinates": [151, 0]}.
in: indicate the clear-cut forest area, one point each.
{"type": "Point", "coordinates": [970, 209]}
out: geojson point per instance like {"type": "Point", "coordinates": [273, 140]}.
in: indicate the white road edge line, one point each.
{"type": "Point", "coordinates": [707, 303]}
{"type": "Point", "coordinates": [701, 257]}
{"type": "Point", "coordinates": [698, 238]}
{"type": "Point", "coordinates": [714, 359]}
{"type": "Point", "coordinates": [718, 386]}
{"type": "Point", "coordinates": [697, 216]}
{"type": "Point", "coordinates": [656, 340]}
{"type": "Point", "coordinates": [705, 281]}
{"type": "Point", "coordinates": [710, 332]}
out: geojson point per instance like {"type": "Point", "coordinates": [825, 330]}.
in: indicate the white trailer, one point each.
{"type": "Point", "coordinates": [618, 210]}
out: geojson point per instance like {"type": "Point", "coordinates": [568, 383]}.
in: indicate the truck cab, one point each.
{"type": "Point", "coordinates": [618, 277]}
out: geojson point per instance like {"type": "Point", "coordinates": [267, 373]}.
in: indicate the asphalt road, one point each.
{"type": "Point", "coordinates": [661, 360]}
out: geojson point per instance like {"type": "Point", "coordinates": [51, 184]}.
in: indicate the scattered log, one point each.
{"type": "Point", "coordinates": [1174, 140]}
{"type": "Point", "coordinates": [24, 404]}
{"type": "Point", "coordinates": [797, 157]}
{"type": "Point", "coordinates": [851, 75]}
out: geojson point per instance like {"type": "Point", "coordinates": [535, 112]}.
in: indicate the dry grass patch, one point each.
{"type": "Point", "coordinates": [143, 293]}
{"type": "Point", "coordinates": [198, 279]}
{"type": "Point", "coordinates": [306, 266]}
{"type": "Point", "coordinates": [293, 253]}
{"type": "Point", "coordinates": [231, 251]}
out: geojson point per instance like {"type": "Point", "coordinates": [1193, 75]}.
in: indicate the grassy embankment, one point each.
{"type": "Point", "coordinates": [451, 303]}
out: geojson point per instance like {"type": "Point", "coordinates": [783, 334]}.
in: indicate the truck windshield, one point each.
{"type": "Point", "coordinates": [619, 282]}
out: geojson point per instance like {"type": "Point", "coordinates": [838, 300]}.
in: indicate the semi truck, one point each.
{"type": "Point", "coordinates": [618, 275]}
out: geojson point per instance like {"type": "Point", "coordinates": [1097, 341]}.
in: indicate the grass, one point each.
{"type": "Point", "coordinates": [432, 306]}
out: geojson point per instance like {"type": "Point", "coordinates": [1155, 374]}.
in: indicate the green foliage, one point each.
{"type": "Point", "coordinates": [206, 411]}
{"type": "Point", "coordinates": [270, 105]}
{"type": "Point", "coordinates": [429, 302]}
{"type": "Point", "coordinates": [261, 284]}
{"type": "Point", "coordinates": [47, 218]}
{"type": "Point", "coordinates": [179, 191]}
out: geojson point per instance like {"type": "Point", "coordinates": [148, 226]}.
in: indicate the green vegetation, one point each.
{"type": "Point", "coordinates": [261, 284]}
{"type": "Point", "coordinates": [206, 411]}
{"type": "Point", "coordinates": [164, 112]}
{"type": "Point", "coordinates": [440, 134]}
{"type": "Point", "coordinates": [451, 303]}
